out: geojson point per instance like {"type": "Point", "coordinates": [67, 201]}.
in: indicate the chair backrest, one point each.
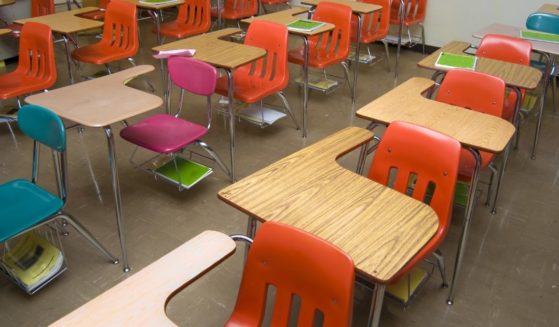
{"type": "Point", "coordinates": [192, 75]}
{"type": "Point", "coordinates": [36, 54]}
{"type": "Point", "coordinates": [195, 13]}
{"type": "Point", "coordinates": [42, 7]}
{"type": "Point", "coordinates": [419, 162]}
{"type": "Point", "coordinates": [377, 22]}
{"type": "Point", "coordinates": [244, 8]}
{"type": "Point", "coordinates": [295, 263]}
{"type": "Point", "coordinates": [272, 68]}
{"type": "Point", "coordinates": [340, 38]}
{"type": "Point", "coordinates": [543, 22]}
{"type": "Point", "coordinates": [473, 90]}
{"type": "Point", "coordinates": [414, 10]}
{"type": "Point", "coordinates": [505, 48]}
{"type": "Point", "coordinates": [45, 127]}
{"type": "Point", "coordinates": [121, 28]}
{"type": "Point", "coordinates": [103, 4]}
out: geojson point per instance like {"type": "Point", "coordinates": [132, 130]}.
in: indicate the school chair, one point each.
{"type": "Point", "coordinates": [169, 135]}
{"type": "Point", "coordinates": [423, 164]}
{"type": "Point", "coordinates": [295, 264]}
{"type": "Point", "coordinates": [549, 24]}
{"type": "Point", "coordinates": [36, 68]}
{"type": "Point", "coordinates": [98, 14]}
{"type": "Point", "coordinates": [193, 18]}
{"type": "Point", "coordinates": [374, 28]}
{"type": "Point", "coordinates": [414, 14]}
{"type": "Point", "coordinates": [332, 47]}
{"type": "Point", "coordinates": [119, 40]}
{"type": "Point", "coordinates": [483, 93]}
{"type": "Point", "coordinates": [24, 205]}
{"type": "Point", "coordinates": [38, 8]}
{"type": "Point", "coordinates": [266, 76]}
{"type": "Point", "coordinates": [509, 49]}
{"type": "Point", "coordinates": [273, 3]}
{"type": "Point", "coordinates": [236, 10]}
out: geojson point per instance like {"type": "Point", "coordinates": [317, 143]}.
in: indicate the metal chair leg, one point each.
{"type": "Point", "coordinates": [387, 58]}
{"type": "Point", "coordinates": [422, 37]}
{"type": "Point", "coordinates": [287, 107]}
{"type": "Point", "coordinates": [440, 264]}
{"type": "Point", "coordinates": [149, 85]}
{"type": "Point", "coordinates": [490, 186]}
{"type": "Point", "coordinates": [346, 73]}
{"type": "Point", "coordinates": [216, 158]}
{"type": "Point", "coordinates": [89, 165]}
{"type": "Point", "coordinates": [82, 230]}
{"type": "Point", "coordinates": [553, 88]}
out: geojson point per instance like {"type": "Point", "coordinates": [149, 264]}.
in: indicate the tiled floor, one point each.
{"type": "Point", "coordinates": [510, 275]}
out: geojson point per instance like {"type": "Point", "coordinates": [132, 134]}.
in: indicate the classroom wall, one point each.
{"type": "Point", "coordinates": [448, 20]}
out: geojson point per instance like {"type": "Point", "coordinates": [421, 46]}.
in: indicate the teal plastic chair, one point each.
{"type": "Point", "coordinates": [549, 24]}
{"type": "Point", "coordinates": [24, 205]}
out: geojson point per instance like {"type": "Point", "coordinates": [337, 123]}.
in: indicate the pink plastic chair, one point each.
{"type": "Point", "coordinates": [168, 134]}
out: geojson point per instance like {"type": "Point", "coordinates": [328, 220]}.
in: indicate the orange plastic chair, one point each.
{"type": "Point", "coordinates": [237, 9]}
{"type": "Point", "coordinates": [480, 92]}
{"type": "Point", "coordinates": [273, 3]}
{"type": "Point", "coordinates": [295, 263]}
{"type": "Point", "coordinates": [510, 49]}
{"type": "Point", "coordinates": [374, 28]}
{"type": "Point", "coordinates": [193, 18]}
{"type": "Point", "coordinates": [36, 69]}
{"type": "Point", "coordinates": [422, 163]}
{"type": "Point", "coordinates": [97, 14]}
{"type": "Point", "coordinates": [119, 40]}
{"type": "Point", "coordinates": [330, 48]}
{"type": "Point", "coordinates": [414, 14]}
{"type": "Point", "coordinates": [266, 76]}
{"type": "Point", "coordinates": [38, 8]}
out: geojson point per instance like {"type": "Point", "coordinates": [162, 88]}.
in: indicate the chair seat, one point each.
{"type": "Point", "coordinates": [163, 133]}
{"type": "Point", "coordinates": [23, 205]}
{"type": "Point", "coordinates": [15, 83]}
{"type": "Point", "coordinates": [248, 89]}
{"type": "Point", "coordinates": [367, 35]}
{"type": "Point", "coordinates": [467, 163]}
{"type": "Point", "coordinates": [101, 53]}
{"type": "Point", "coordinates": [233, 15]}
{"type": "Point", "coordinates": [317, 59]}
{"type": "Point", "coordinates": [180, 30]}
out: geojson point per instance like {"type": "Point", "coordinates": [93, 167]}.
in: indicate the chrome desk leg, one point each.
{"type": "Point", "coordinates": [155, 17]}
{"type": "Point", "coordinates": [116, 191]}
{"type": "Point", "coordinates": [356, 64]}
{"type": "Point", "coordinates": [549, 63]}
{"type": "Point", "coordinates": [231, 124]}
{"type": "Point", "coordinates": [400, 27]}
{"type": "Point", "coordinates": [516, 117]}
{"type": "Point", "coordinates": [500, 177]}
{"type": "Point", "coordinates": [306, 87]}
{"type": "Point", "coordinates": [376, 305]}
{"type": "Point", "coordinates": [466, 226]}
{"type": "Point", "coordinates": [68, 59]}
{"type": "Point", "coordinates": [251, 231]}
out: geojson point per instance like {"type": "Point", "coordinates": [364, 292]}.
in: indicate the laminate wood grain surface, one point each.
{"type": "Point", "coordinates": [100, 102]}
{"type": "Point", "coordinates": [470, 128]}
{"type": "Point", "coordinates": [211, 48]}
{"type": "Point", "coordinates": [549, 9]}
{"type": "Point", "coordinates": [502, 29]}
{"type": "Point", "coordinates": [515, 75]}
{"type": "Point", "coordinates": [5, 31]}
{"type": "Point", "coordinates": [381, 229]}
{"type": "Point", "coordinates": [140, 300]}
{"type": "Point", "coordinates": [286, 17]}
{"type": "Point", "coordinates": [66, 22]}
{"type": "Point", "coordinates": [356, 7]}
{"type": "Point", "coordinates": [157, 5]}
{"type": "Point", "coordinates": [7, 2]}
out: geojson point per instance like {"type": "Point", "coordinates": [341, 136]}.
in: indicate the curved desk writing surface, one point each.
{"type": "Point", "coordinates": [514, 75]}
{"type": "Point", "coordinates": [140, 300]}
{"type": "Point", "coordinates": [381, 229]}
{"type": "Point", "coordinates": [406, 103]}
{"type": "Point", "coordinates": [5, 31]}
{"type": "Point", "coordinates": [66, 22]}
{"type": "Point", "coordinates": [100, 102]}
{"type": "Point", "coordinates": [286, 17]}
{"type": "Point", "coordinates": [212, 49]}
{"type": "Point", "coordinates": [549, 9]}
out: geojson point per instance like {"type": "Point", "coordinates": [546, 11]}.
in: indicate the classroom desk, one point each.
{"type": "Point", "coordinates": [140, 300]}
{"type": "Point", "coordinates": [5, 31]}
{"type": "Point", "coordinates": [285, 17]}
{"type": "Point", "coordinates": [379, 228]}
{"type": "Point", "coordinates": [223, 54]}
{"type": "Point", "coordinates": [153, 8]}
{"type": "Point", "coordinates": [359, 9]}
{"type": "Point", "coordinates": [66, 23]}
{"type": "Point", "coordinates": [474, 130]}
{"type": "Point", "coordinates": [548, 49]}
{"type": "Point", "coordinates": [549, 9]}
{"type": "Point", "coordinates": [99, 103]}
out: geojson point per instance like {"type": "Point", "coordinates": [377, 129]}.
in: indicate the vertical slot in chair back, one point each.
{"type": "Point", "coordinates": [42, 7]}
{"type": "Point", "coordinates": [296, 264]}
{"type": "Point", "coordinates": [336, 45]}
{"type": "Point", "coordinates": [36, 55]}
{"type": "Point", "coordinates": [121, 29]}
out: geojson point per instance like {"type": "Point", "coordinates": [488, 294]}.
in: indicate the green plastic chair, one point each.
{"type": "Point", "coordinates": [24, 205]}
